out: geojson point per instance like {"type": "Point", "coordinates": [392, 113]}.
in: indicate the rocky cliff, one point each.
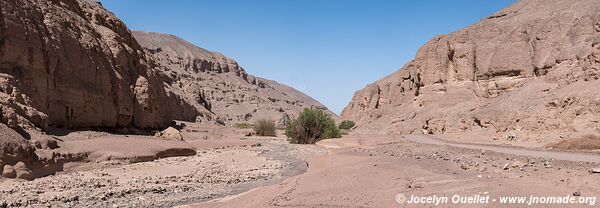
{"type": "Point", "coordinates": [528, 71]}
{"type": "Point", "coordinates": [213, 82]}
{"type": "Point", "coordinates": [73, 64]}
{"type": "Point", "coordinates": [79, 65]}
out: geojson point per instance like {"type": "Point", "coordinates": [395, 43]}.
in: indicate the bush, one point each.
{"type": "Point", "coordinates": [347, 124]}
{"type": "Point", "coordinates": [311, 126]}
{"type": "Point", "coordinates": [265, 128]}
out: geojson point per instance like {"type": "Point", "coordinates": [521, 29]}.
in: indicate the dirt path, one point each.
{"type": "Point", "coordinates": [371, 170]}
{"type": "Point", "coordinates": [568, 156]}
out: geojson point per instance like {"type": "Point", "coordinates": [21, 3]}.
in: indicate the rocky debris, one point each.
{"type": "Point", "coordinates": [506, 166]}
{"type": "Point", "coordinates": [528, 73]}
{"type": "Point", "coordinates": [217, 86]}
{"type": "Point", "coordinates": [170, 134]}
{"type": "Point", "coordinates": [518, 164]}
{"type": "Point", "coordinates": [213, 174]}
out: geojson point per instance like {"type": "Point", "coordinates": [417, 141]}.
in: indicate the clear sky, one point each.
{"type": "Point", "coordinates": [327, 49]}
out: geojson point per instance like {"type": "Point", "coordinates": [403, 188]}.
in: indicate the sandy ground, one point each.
{"type": "Point", "coordinates": [370, 171]}
{"type": "Point", "coordinates": [131, 171]}
{"type": "Point", "coordinates": [230, 169]}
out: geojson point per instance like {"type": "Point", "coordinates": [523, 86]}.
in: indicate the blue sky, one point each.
{"type": "Point", "coordinates": [327, 49]}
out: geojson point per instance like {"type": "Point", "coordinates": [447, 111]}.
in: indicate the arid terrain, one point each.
{"type": "Point", "coordinates": [127, 171]}
{"type": "Point", "coordinates": [93, 114]}
{"type": "Point", "coordinates": [370, 170]}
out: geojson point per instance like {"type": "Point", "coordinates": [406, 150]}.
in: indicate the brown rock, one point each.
{"type": "Point", "coordinates": [9, 172]}
{"type": "Point", "coordinates": [531, 68]}
{"type": "Point", "coordinates": [217, 87]}
{"type": "Point", "coordinates": [13, 147]}
{"type": "Point", "coordinates": [518, 164]}
{"type": "Point", "coordinates": [171, 134]}
{"type": "Point", "coordinates": [22, 171]}
{"type": "Point", "coordinates": [79, 65]}
{"type": "Point", "coordinates": [506, 166]}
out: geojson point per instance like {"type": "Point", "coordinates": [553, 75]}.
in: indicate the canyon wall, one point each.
{"type": "Point", "coordinates": [530, 70]}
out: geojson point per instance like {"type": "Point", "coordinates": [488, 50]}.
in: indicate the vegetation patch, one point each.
{"type": "Point", "coordinates": [265, 127]}
{"type": "Point", "coordinates": [347, 124]}
{"type": "Point", "coordinates": [311, 126]}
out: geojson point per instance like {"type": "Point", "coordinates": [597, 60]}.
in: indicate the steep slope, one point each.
{"type": "Point", "coordinates": [71, 63]}
{"type": "Point", "coordinates": [528, 71]}
{"type": "Point", "coordinates": [209, 80]}
{"type": "Point", "coordinates": [79, 65]}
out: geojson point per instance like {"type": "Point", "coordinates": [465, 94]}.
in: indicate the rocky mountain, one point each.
{"type": "Point", "coordinates": [528, 71]}
{"type": "Point", "coordinates": [212, 82]}
{"type": "Point", "coordinates": [73, 64]}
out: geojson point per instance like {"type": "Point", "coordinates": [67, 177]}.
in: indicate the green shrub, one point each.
{"type": "Point", "coordinates": [265, 128]}
{"type": "Point", "coordinates": [242, 125]}
{"type": "Point", "coordinates": [347, 124]}
{"type": "Point", "coordinates": [311, 126]}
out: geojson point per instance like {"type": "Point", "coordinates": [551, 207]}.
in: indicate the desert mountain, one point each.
{"type": "Point", "coordinates": [215, 83]}
{"type": "Point", "coordinates": [73, 64]}
{"type": "Point", "coordinates": [528, 71]}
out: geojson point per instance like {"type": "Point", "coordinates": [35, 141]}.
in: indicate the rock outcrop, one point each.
{"type": "Point", "coordinates": [212, 82]}
{"type": "Point", "coordinates": [72, 64]}
{"type": "Point", "coordinates": [78, 66]}
{"type": "Point", "coordinates": [528, 71]}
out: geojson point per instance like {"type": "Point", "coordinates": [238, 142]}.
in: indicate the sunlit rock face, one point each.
{"type": "Point", "coordinates": [530, 69]}
{"type": "Point", "coordinates": [213, 82]}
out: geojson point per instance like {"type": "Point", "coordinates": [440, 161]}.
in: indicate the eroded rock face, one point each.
{"type": "Point", "coordinates": [79, 65]}
{"type": "Point", "coordinates": [217, 87]}
{"type": "Point", "coordinates": [530, 70]}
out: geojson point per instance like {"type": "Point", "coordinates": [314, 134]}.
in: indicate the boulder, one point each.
{"type": "Point", "coordinates": [9, 172]}
{"type": "Point", "coordinates": [22, 171]}
{"type": "Point", "coordinates": [171, 134]}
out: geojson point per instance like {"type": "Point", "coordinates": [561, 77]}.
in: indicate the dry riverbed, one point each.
{"type": "Point", "coordinates": [211, 173]}
{"type": "Point", "coordinates": [371, 170]}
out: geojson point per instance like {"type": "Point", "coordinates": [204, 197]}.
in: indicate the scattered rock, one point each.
{"type": "Point", "coordinates": [506, 166]}
{"type": "Point", "coordinates": [518, 164]}
{"type": "Point", "coordinates": [512, 136]}
{"type": "Point", "coordinates": [595, 170]}
{"type": "Point", "coordinates": [9, 172]}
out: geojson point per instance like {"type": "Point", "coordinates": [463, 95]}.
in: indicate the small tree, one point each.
{"type": "Point", "coordinates": [311, 126]}
{"type": "Point", "coordinates": [265, 127]}
{"type": "Point", "coordinates": [347, 124]}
